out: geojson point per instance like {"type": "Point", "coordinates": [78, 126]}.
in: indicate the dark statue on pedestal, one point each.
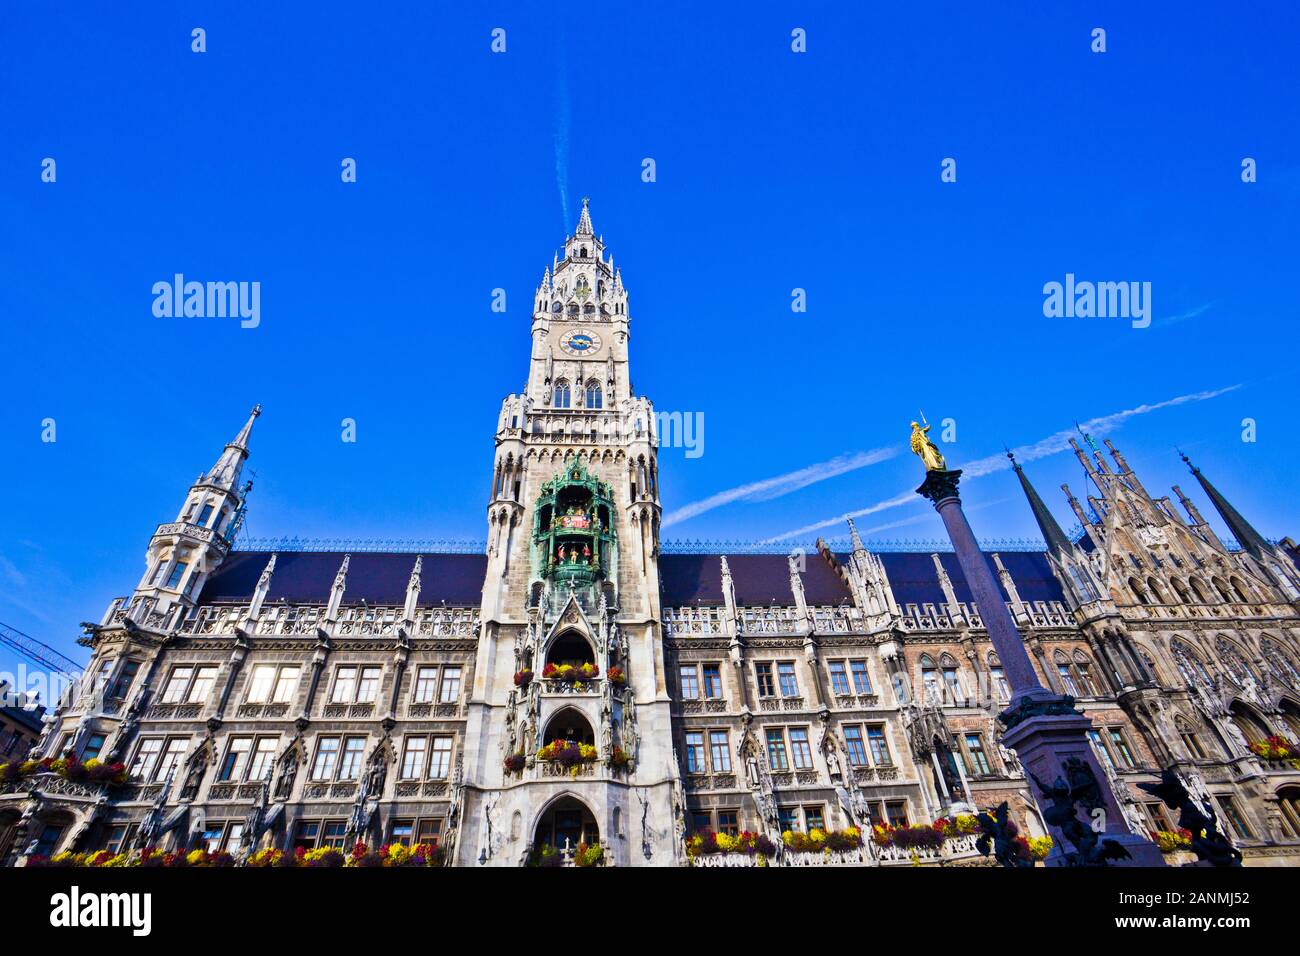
{"type": "Point", "coordinates": [999, 834]}
{"type": "Point", "coordinates": [1082, 788]}
{"type": "Point", "coordinates": [1209, 845]}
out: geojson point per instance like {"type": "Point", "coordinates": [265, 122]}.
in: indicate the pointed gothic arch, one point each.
{"type": "Point", "coordinates": [1280, 663]}
{"type": "Point", "coordinates": [571, 724]}
{"type": "Point", "coordinates": [570, 646]}
{"type": "Point", "coordinates": [1136, 587]}
{"type": "Point", "coordinates": [1234, 662]}
{"type": "Point", "coordinates": [563, 823]}
{"type": "Point", "coordinates": [1249, 721]}
{"type": "Point", "coordinates": [1189, 663]}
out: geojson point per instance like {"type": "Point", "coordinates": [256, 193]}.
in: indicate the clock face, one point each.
{"type": "Point", "coordinates": [580, 342]}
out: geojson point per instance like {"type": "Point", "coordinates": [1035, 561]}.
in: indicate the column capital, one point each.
{"type": "Point", "coordinates": [940, 486]}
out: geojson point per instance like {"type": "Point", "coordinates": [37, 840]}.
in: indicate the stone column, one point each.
{"type": "Point", "coordinates": [1043, 728]}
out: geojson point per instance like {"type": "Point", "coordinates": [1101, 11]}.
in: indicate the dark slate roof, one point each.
{"type": "Point", "coordinates": [305, 577]}
{"type": "Point", "coordinates": [761, 579]}
{"type": "Point", "coordinates": [913, 580]}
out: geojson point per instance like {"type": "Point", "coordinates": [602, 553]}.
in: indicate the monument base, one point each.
{"type": "Point", "coordinates": [1043, 743]}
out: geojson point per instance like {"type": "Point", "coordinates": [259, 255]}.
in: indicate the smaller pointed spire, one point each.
{"type": "Point", "coordinates": [413, 589]}
{"type": "Point", "coordinates": [853, 536]}
{"type": "Point", "coordinates": [1250, 539]}
{"type": "Point", "coordinates": [241, 440]}
{"type": "Point", "coordinates": [227, 469]}
{"type": "Point", "coordinates": [1052, 533]}
{"type": "Point", "coordinates": [584, 221]}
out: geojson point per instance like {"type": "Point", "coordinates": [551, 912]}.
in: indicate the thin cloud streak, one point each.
{"type": "Point", "coordinates": [775, 487]}
{"type": "Point", "coordinates": [1051, 445]}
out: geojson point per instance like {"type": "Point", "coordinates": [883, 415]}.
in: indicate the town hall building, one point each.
{"type": "Point", "coordinates": [577, 683]}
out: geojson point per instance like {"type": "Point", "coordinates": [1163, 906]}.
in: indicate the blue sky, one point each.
{"type": "Point", "coordinates": [775, 170]}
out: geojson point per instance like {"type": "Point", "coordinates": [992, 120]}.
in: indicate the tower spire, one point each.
{"type": "Point", "coordinates": [584, 221]}
{"type": "Point", "coordinates": [1241, 529]}
{"type": "Point", "coordinates": [1056, 539]}
{"type": "Point", "coordinates": [225, 473]}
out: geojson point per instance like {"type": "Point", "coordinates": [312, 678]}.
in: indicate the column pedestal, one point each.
{"type": "Point", "coordinates": [1043, 744]}
{"type": "Point", "coordinates": [1043, 728]}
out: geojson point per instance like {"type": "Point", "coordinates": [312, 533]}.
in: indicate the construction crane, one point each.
{"type": "Point", "coordinates": [34, 650]}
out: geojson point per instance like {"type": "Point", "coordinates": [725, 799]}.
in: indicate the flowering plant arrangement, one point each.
{"type": "Point", "coordinates": [929, 836]}
{"type": "Point", "coordinates": [268, 856]}
{"type": "Point", "coordinates": [514, 763]}
{"type": "Point", "coordinates": [70, 768]}
{"type": "Point", "coordinates": [589, 855]}
{"type": "Point", "coordinates": [524, 677]}
{"type": "Point", "coordinates": [201, 858]}
{"type": "Point", "coordinates": [1277, 747]}
{"type": "Point", "coordinates": [148, 857]}
{"type": "Point", "coordinates": [918, 836]}
{"type": "Point", "coordinates": [421, 854]}
{"type": "Point", "coordinates": [617, 676]}
{"type": "Point", "coordinates": [573, 673]}
{"type": "Point", "coordinates": [567, 753]}
{"type": "Point", "coordinates": [1037, 847]}
{"type": "Point", "coordinates": [362, 855]}
{"type": "Point", "coordinates": [321, 856]}
{"type": "Point", "coordinates": [546, 856]}
{"type": "Point", "coordinates": [619, 757]}
{"type": "Point", "coordinates": [1171, 841]}
{"type": "Point", "coordinates": [707, 842]}
{"type": "Point", "coordinates": [818, 840]}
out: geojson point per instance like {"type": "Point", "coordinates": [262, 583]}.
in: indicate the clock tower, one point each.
{"type": "Point", "coordinates": [568, 742]}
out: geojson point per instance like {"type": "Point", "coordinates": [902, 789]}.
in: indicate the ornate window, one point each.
{"type": "Point", "coordinates": [1189, 665]}
{"type": "Point", "coordinates": [563, 398]}
{"type": "Point", "coordinates": [1279, 662]}
{"type": "Point", "coordinates": [595, 397]}
{"type": "Point", "coordinates": [1241, 673]}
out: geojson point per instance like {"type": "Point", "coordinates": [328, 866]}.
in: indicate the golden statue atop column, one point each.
{"type": "Point", "coordinates": [923, 447]}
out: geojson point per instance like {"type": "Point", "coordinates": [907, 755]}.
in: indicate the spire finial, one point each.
{"type": "Point", "coordinates": [854, 537]}
{"type": "Point", "coordinates": [584, 221]}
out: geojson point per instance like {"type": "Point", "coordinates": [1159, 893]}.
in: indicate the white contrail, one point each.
{"type": "Point", "coordinates": [775, 487]}
{"type": "Point", "coordinates": [1051, 445]}
{"type": "Point", "coordinates": [562, 137]}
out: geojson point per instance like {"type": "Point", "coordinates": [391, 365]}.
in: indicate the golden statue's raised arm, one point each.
{"type": "Point", "coordinates": [922, 446]}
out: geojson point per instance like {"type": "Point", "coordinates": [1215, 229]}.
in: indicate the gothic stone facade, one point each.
{"type": "Point", "coordinates": [314, 698]}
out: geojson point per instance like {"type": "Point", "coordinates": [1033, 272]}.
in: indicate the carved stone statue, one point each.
{"type": "Point", "coordinates": [510, 736]}
{"type": "Point", "coordinates": [924, 448]}
{"type": "Point", "coordinates": [195, 767]}
{"type": "Point", "coordinates": [288, 772]}
{"type": "Point", "coordinates": [628, 733]}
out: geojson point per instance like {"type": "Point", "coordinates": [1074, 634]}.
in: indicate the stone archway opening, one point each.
{"type": "Point", "coordinates": [571, 726]}
{"type": "Point", "coordinates": [570, 648]}
{"type": "Point", "coordinates": [566, 825]}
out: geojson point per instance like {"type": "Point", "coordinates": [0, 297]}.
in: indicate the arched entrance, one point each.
{"type": "Point", "coordinates": [564, 825]}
